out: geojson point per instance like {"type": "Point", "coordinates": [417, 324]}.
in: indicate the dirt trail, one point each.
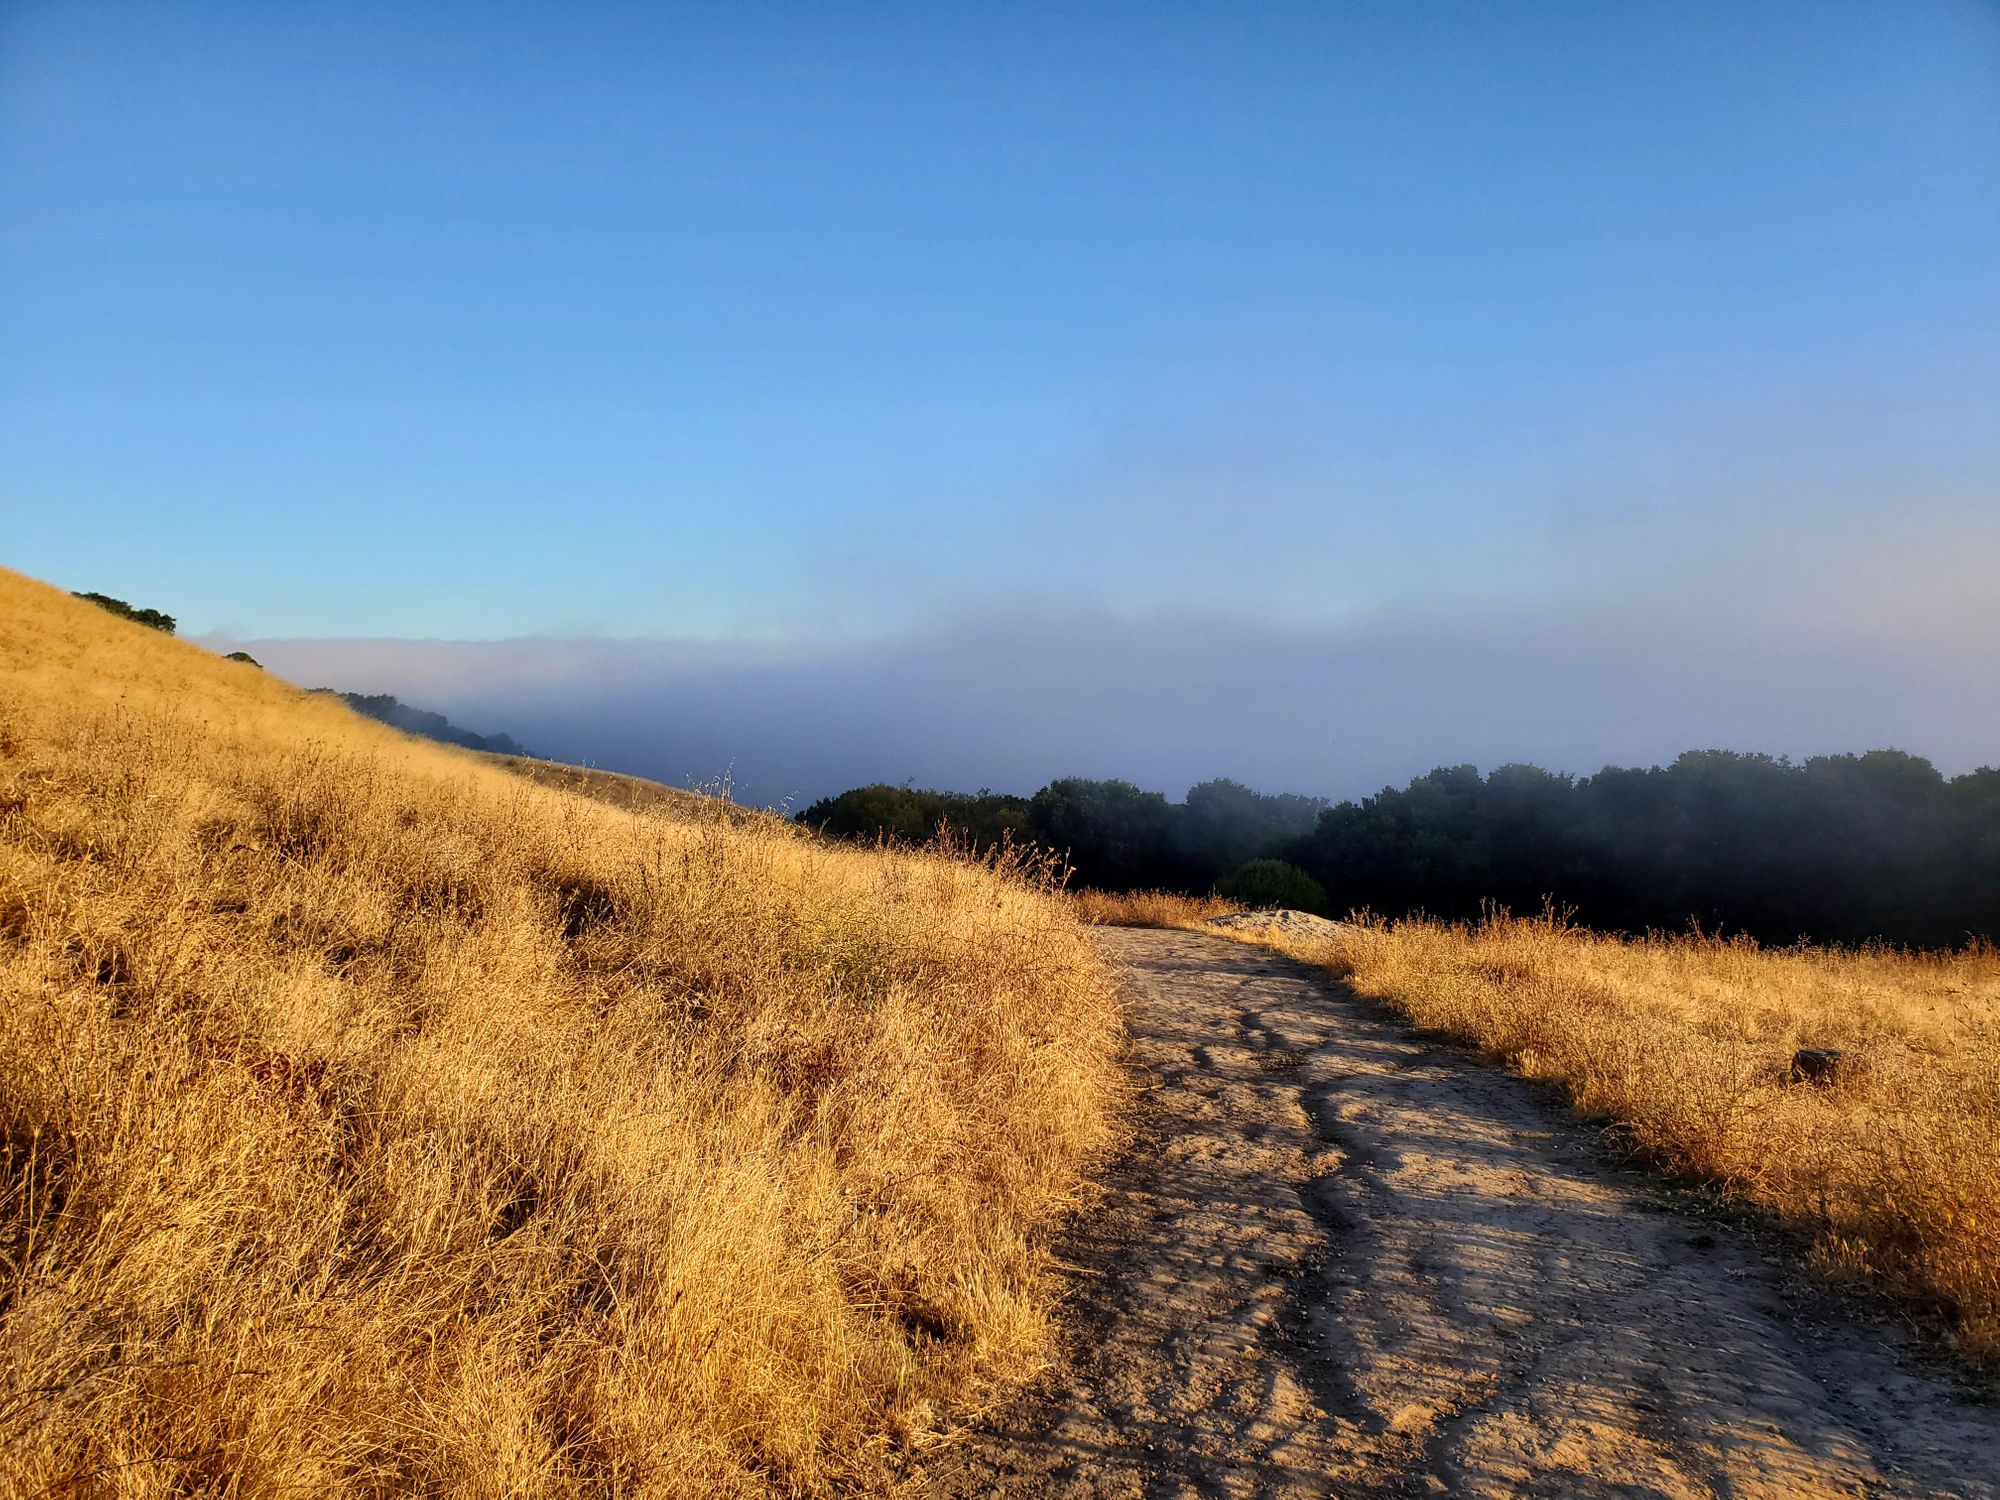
{"type": "Point", "coordinates": [1344, 1260]}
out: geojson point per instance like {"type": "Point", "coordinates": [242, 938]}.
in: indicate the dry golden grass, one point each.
{"type": "Point", "coordinates": [632, 793]}
{"type": "Point", "coordinates": [1148, 908]}
{"type": "Point", "coordinates": [1688, 1041]}
{"type": "Point", "coordinates": [374, 1121]}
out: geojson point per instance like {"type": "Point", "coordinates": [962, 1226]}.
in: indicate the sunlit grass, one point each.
{"type": "Point", "coordinates": [1689, 1040]}
{"type": "Point", "coordinates": [1148, 908]}
{"type": "Point", "coordinates": [376, 1121]}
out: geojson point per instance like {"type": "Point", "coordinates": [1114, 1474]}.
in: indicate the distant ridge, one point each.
{"type": "Point", "coordinates": [419, 721]}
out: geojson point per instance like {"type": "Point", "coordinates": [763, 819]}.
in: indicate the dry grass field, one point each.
{"type": "Point", "coordinates": [1147, 908]}
{"type": "Point", "coordinates": [1894, 1167]}
{"type": "Point", "coordinates": [375, 1121]}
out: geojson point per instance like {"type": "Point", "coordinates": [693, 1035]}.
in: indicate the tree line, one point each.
{"type": "Point", "coordinates": [1838, 848]}
{"type": "Point", "coordinates": [1117, 836]}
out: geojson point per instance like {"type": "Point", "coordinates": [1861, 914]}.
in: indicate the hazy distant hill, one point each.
{"type": "Point", "coordinates": [393, 711]}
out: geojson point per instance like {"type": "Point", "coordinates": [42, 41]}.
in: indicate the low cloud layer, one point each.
{"type": "Point", "coordinates": [1009, 702]}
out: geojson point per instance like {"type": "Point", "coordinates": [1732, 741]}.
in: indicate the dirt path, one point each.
{"type": "Point", "coordinates": [1344, 1260]}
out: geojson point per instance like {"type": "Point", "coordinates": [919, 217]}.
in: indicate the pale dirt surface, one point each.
{"type": "Point", "coordinates": [1294, 924]}
{"type": "Point", "coordinates": [1345, 1260]}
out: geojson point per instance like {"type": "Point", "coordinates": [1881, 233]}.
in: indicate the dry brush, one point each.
{"type": "Point", "coordinates": [373, 1120]}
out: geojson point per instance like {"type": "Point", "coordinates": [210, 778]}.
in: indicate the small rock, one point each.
{"type": "Point", "coordinates": [1816, 1064]}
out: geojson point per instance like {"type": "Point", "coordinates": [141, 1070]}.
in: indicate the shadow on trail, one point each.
{"type": "Point", "coordinates": [1340, 1259]}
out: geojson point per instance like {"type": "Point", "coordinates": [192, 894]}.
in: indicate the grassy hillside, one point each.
{"type": "Point", "coordinates": [1689, 1041]}
{"type": "Point", "coordinates": [375, 1121]}
{"type": "Point", "coordinates": [633, 793]}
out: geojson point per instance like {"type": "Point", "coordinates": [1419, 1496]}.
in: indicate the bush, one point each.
{"type": "Point", "coordinates": [150, 617]}
{"type": "Point", "coordinates": [243, 656]}
{"type": "Point", "coordinates": [1272, 883]}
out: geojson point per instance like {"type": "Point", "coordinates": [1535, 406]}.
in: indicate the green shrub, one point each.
{"type": "Point", "coordinates": [151, 617]}
{"type": "Point", "coordinates": [1272, 883]}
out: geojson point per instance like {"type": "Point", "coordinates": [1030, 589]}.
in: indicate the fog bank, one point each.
{"type": "Point", "coordinates": [1166, 700]}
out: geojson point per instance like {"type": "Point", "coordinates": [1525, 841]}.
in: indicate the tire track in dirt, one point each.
{"type": "Point", "coordinates": [1344, 1260]}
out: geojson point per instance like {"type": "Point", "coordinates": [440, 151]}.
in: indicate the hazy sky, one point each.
{"type": "Point", "coordinates": [1571, 381]}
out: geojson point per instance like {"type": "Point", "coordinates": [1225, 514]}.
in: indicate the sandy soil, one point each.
{"type": "Point", "coordinates": [1345, 1260]}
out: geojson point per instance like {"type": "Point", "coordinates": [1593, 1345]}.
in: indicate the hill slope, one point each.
{"type": "Point", "coordinates": [421, 722]}
{"type": "Point", "coordinates": [373, 1120]}
{"type": "Point", "coordinates": [633, 793]}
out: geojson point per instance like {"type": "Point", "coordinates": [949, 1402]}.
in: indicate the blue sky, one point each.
{"type": "Point", "coordinates": [830, 327]}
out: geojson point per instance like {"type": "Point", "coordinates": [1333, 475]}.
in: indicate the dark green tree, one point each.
{"type": "Point", "coordinates": [151, 618]}
{"type": "Point", "coordinates": [1272, 883]}
{"type": "Point", "coordinates": [914, 815]}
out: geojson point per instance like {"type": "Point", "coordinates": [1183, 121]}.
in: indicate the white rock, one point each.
{"type": "Point", "coordinates": [1298, 924]}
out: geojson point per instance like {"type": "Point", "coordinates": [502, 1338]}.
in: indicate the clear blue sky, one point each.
{"type": "Point", "coordinates": [811, 322]}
